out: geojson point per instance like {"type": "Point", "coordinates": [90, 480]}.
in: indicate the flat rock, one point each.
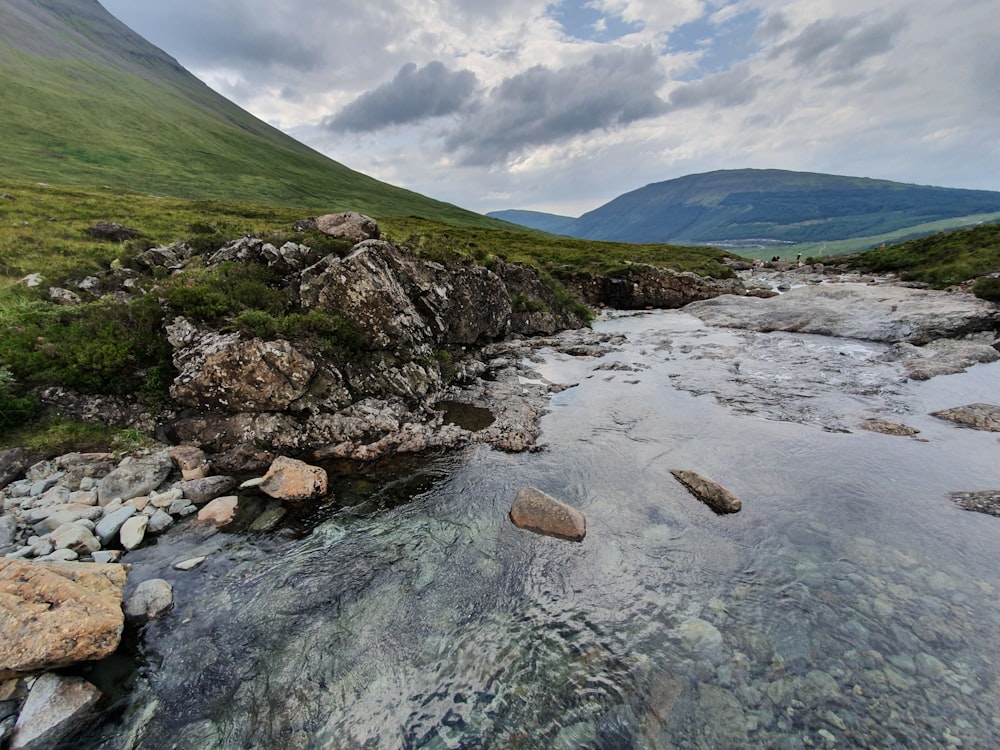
{"type": "Point", "coordinates": [537, 511]}
{"type": "Point", "coordinates": [977, 416]}
{"type": "Point", "coordinates": [109, 526]}
{"type": "Point", "coordinates": [55, 707]}
{"type": "Point", "coordinates": [877, 312]}
{"type": "Point", "coordinates": [75, 537]}
{"type": "Point", "coordinates": [220, 511]}
{"type": "Point", "coordinates": [58, 614]}
{"type": "Point", "coordinates": [714, 495]}
{"type": "Point", "coordinates": [133, 531]}
{"type": "Point", "coordinates": [200, 491]}
{"type": "Point", "coordinates": [291, 479]}
{"type": "Point", "coordinates": [889, 428]}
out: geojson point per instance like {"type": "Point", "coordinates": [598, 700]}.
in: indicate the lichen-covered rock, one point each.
{"type": "Point", "coordinates": [293, 480]}
{"type": "Point", "coordinates": [348, 225]}
{"type": "Point", "coordinates": [714, 495]}
{"type": "Point", "coordinates": [537, 511]}
{"type": "Point", "coordinates": [58, 614]}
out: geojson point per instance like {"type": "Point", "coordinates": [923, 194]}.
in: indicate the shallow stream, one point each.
{"type": "Point", "coordinates": [849, 604]}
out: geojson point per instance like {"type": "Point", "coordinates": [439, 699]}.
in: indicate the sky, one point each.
{"type": "Point", "coordinates": [561, 106]}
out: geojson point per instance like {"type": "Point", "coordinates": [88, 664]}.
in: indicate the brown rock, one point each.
{"type": "Point", "coordinates": [536, 511]}
{"type": "Point", "coordinates": [889, 428]}
{"type": "Point", "coordinates": [57, 614]}
{"type": "Point", "coordinates": [715, 496]}
{"type": "Point", "coordinates": [220, 511]}
{"type": "Point", "coordinates": [977, 416]}
{"type": "Point", "coordinates": [190, 460]}
{"type": "Point", "coordinates": [291, 479]}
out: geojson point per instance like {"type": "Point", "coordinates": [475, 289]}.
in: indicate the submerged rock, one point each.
{"type": "Point", "coordinates": [889, 428]}
{"type": "Point", "coordinates": [536, 511]}
{"type": "Point", "coordinates": [58, 614]}
{"type": "Point", "coordinates": [987, 502]}
{"type": "Point", "coordinates": [714, 495]}
{"type": "Point", "coordinates": [977, 416]}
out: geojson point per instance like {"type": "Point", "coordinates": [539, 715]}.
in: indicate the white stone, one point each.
{"type": "Point", "coordinates": [133, 531]}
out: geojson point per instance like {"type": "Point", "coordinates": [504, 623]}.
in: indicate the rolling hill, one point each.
{"type": "Point", "coordinates": [760, 207]}
{"type": "Point", "coordinates": [87, 101]}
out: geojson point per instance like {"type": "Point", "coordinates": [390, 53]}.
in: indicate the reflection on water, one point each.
{"type": "Point", "coordinates": [849, 604]}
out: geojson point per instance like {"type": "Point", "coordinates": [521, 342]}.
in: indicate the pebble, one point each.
{"type": "Point", "coordinates": [191, 564]}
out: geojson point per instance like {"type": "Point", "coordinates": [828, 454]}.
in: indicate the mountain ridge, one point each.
{"type": "Point", "coordinates": [88, 101]}
{"type": "Point", "coordinates": [776, 206]}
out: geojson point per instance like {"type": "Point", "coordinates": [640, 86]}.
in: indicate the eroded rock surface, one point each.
{"type": "Point", "coordinates": [58, 614]}
{"type": "Point", "coordinates": [977, 416]}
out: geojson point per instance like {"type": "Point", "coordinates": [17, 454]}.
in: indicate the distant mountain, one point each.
{"type": "Point", "coordinates": [746, 207]}
{"type": "Point", "coordinates": [553, 223]}
{"type": "Point", "coordinates": [85, 100]}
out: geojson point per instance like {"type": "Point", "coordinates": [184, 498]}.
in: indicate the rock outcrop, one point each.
{"type": "Point", "coordinates": [57, 614]}
{"type": "Point", "coordinates": [714, 495]}
{"type": "Point", "coordinates": [652, 287]}
{"type": "Point", "coordinates": [977, 416]}
{"type": "Point", "coordinates": [55, 707]}
{"type": "Point", "coordinates": [541, 513]}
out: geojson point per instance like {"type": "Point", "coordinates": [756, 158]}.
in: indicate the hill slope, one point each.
{"type": "Point", "coordinates": [88, 101]}
{"type": "Point", "coordinates": [734, 207]}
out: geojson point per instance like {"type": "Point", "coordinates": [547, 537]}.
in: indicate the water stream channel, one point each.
{"type": "Point", "coordinates": [849, 604]}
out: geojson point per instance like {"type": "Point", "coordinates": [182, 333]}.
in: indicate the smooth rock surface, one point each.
{"type": "Point", "coordinates": [133, 531]}
{"type": "Point", "coordinates": [135, 478]}
{"type": "Point", "coordinates": [714, 495]}
{"type": "Point", "coordinates": [220, 511]}
{"type": "Point", "coordinates": [150, 599]}
{"type": "Point", "coordinates": [55, 707]}
{"type": "Point", "coordinates": [537, 511]}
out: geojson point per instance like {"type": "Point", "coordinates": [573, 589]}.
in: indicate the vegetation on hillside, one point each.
{"type": "Point", "coordinates": [941, 260]}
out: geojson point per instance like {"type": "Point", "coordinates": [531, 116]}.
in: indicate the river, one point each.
{"type": "Point", "coordinates": [849, 604]}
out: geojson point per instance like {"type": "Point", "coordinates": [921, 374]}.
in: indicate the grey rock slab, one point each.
{"type": "Point", "coordinates": [135, 478]}
{"type": "Point", "coordinates": [159, 522]}
{"type": "Point", "coordinates": [55, 707]}
{"type": "Point", "coordinates": [201, 491]}
{"type": "Point", "coordinates": [109, 526]}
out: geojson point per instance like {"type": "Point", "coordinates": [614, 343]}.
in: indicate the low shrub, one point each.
{"type": "Point", "coordinates": [987, 288]}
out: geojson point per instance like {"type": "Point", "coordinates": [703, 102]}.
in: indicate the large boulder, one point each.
{"type": "Point", "coordinates": [13, 463]}
{"type": "Point", "coordinates": [714, 495]}
{"type": "Point", "coordinates": [55, 707]}
{"type": "Point", "coordinates": [652, 287]}
{"type": "Point", "coordinates": [58, 614]}
{"type": "Point", "coordinates": [536, 511]}
{"type": "Point", "coordinates": [112, 230]}
{"type": "Point", "coordinates": [226, 372]}
{"type": "Point", "coordinates": [349, 225]}
{"type": "Point", "coordinates": [291, 479]}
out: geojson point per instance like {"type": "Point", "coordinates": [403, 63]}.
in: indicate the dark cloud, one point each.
{"type": "Point", "coordinates": [542, 105]}
{"type": "Point", "coordinates": [841, 44]}
{"type": "Point", "coordinates": [415, 94]}
{"type": "Point", "coordinates": [728, 89]}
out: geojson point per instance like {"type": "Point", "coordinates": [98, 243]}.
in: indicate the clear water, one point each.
{"type": "Point", "coordinates": [849, 604]}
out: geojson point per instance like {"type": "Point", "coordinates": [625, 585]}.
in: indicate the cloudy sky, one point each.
{"type": "Point", "coordinates": [561, 106]}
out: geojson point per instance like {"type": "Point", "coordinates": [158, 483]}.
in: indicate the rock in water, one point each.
{"type": "Point", "coordinates": [291, 479]}
{"type": "Point", "coordinates": [57, 614]}
{"type": "Point", "coordinates": [715, 496]}
{"type": "Point", "coordinates": [149, 600]}
{"type": "Point", "coordinates": [536, 511]}
{"type": "Point", "coordinates": [54, 708]}
{"type": "Point", "coordinates": [977, 416]}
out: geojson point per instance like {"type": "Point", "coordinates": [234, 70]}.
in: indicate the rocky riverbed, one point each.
{"type": "Point", "coordinates": [101, 508]}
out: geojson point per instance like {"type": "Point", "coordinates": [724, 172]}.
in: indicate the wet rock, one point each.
{"type": "Point", "coordinates": [201, 491]}
{"type": "Point", "coordinates": [651, 287]}
{"type": "Point", "coordinates": [987, 502]}
{"type": "Point", "coordinates": [291, 479]}
{"type": "Point", "coordinates": [220, 511]}
{"type": "Point", "coordinates": [714, 495]}
{"type": "Point", "coordinates": [348, 225]}
{"type": "Point", "coordinates": [977, 416]}
{"type": "Point", "coordinates": [150, 600]}
{"type": "Point", "coordinates": [134, 478]}
{"type": "Point", "coordinates": [881, 312]}
{"type": "Point", "coordinates": [889, 428]}
{"type": "Point", "coordinates": [537, 511]}
{"type": "Point", "coordinates": [55, 707]}
{"type": "Point", "coordinates": [268, 520]}
{"type": "Point", "coordinates": [944, 356]}
{"type": "Point", "coordinates": [58, 614]}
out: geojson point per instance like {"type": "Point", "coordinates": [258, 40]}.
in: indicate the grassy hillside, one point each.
{"type": "Point", "coordinates": [799, 209]}
{"type": "Point", "coordinates": [88, 102]}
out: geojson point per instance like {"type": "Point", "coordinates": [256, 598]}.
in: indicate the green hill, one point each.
{"type": "Point", "coordinates": [744, 208]}
{"type": "Point", "coordinates": [87, 101]}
